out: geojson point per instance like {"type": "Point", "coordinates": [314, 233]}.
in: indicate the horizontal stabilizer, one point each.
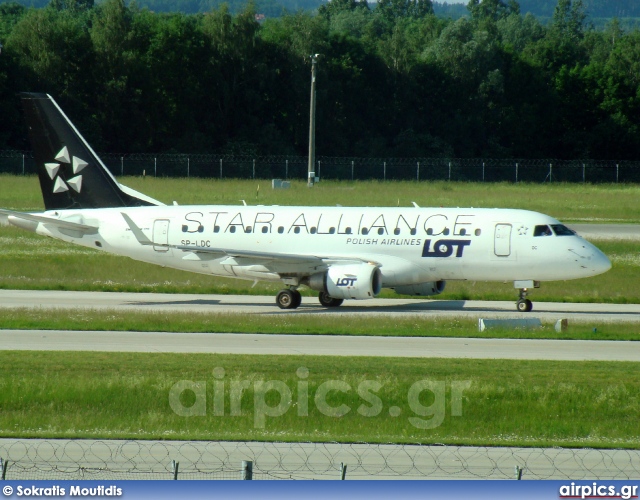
{"type": "Point", "coordinates": [57, 223]}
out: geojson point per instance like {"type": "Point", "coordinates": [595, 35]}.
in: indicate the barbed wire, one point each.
{"type": "Point", "coordinates": [351, 168]}
{"type": "Point", "coordinates": [114, 459]}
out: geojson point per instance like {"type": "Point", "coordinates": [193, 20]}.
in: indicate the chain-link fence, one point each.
{"type": "Point", "coordinates": [112, 459]}
{"type": "Point", "coordinates": [296, 167]}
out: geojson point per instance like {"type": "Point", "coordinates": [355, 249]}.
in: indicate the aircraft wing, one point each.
{"type": "Point", "coordinates": [50, 221]}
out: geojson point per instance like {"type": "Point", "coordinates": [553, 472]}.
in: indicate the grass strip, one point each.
{"type": "Point", "coordinates": [296, 398]}
{"type": "Point", "coordinates": [294, 324]}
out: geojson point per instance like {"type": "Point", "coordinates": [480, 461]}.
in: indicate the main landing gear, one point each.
{"type": "Point", "coordinates": [288, 298]}
{"type": "Point", "coordinates": [327, 301]}
{"type": "Point", "coordinates": [524, 304]}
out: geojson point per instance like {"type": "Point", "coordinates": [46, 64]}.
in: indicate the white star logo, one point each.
{"type": "Point", "coordinates": [60, 186]}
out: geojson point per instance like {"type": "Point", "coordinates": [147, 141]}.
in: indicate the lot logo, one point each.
{"type": "Point", "coordinates": [444, 248]}
{"type": "Point", "coordinates": [347, 281]}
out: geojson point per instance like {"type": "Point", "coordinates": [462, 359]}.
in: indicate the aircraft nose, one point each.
{"type": "Point", "coordinates": [600, 262]}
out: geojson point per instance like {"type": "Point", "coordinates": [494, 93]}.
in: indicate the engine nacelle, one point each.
{"type": "Point", "coordinates": [356, 281]}
{"type": "Point", "coordinates": [422, 289]}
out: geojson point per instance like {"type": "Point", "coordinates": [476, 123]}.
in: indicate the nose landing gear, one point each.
{"type": "Point", "coordinates": [524, 304]}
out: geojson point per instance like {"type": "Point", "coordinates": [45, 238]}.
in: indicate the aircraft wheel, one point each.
{"type": "Point", "coordinates": [327, 301]}
{"type": "Point", "coordinates": [288, 299]}
{"type": "Point", "coordinates": [297, 299]}
{"type": "Point", "coordinates": [524, 305]}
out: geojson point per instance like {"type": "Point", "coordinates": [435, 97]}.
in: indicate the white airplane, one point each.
{"type": "Point", "coordinates": [343, 253]}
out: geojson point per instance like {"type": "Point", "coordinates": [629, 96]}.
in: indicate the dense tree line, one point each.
{"type": "Point", "coordinates": [394, 81]}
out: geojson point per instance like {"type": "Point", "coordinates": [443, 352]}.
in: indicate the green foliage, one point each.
{"type": "Point", "coordinates": [392, 81]}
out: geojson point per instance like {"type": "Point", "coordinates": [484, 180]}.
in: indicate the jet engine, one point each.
{"type": "Point", "coordinates": [356, 281]}
{"type": "Point", "coordinates": [422, 289]}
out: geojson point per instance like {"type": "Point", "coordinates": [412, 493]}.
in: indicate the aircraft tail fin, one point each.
{"type": "Point", "coordinates": [71, 174]}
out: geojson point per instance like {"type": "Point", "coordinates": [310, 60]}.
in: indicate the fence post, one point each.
{"type": "Point", "coordinates": [254, 169]}
{"type": "Point", "coordinates": [221, 168]}
{"type": "Point", "coordinates": [121, 165]}
{"type": "Point", "coordinates": [174, 468]}
{"type": "Point", "coordinates": [449, 170]}
{"type": "Point", "coordinates": [617, 172]}
{"type": "Point", "coordinates": [516, 173]}
{"type": "Point", "coordinates": [286, 170]}
{"type": "Point", "coordinates": [188, 166]}
{"type": "Point", "coordinates": [352, 162]}
{"type": "Point", "coordinates": [482, 171]}
{"type": "Point", "coordinates": [319, 165]}
{"type": "Point", "coordinates": [550, 172]}
{"type": "Point", "coordinates": [418, 172]}
{"type": "Point", "coordinates": [343, 471]}
{"type": "Point", "coordinates": [4, 464]}
{"type": "Point", "coordinates": [518, 472]}
{"type": "Point", "coordinates": [22, 164]}
{"type": "Point", "coordinates": [155, 167]}
{"type": "Point", "coordinates": [247, 470]}
{"type": "Point", "coordinates": [384, 171]}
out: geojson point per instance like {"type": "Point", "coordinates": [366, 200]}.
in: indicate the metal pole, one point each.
{"type": "Point", "coordinates": [312, 123]}
{"type": "Point", "coordinates": [4, 464]}
{"type": "Point", "coordinates": [343, 471]}
{"type": "Point", "coordinates": [352, 162]}
{"type": "Point", "coordinates": [247, 470]}
{"type": "Point", "coordinates": [254, 168]}
{"type": "Point", "coordinates": [550, 172]}
{"type": "Point", "coordinates": [449, 170]}
{"type": "Point", "coordinates": [617, 172]}
{"type": "Point", "coordinates": [516, 173]}
{"type": "Point", "coordinates": [286, 170]}
{"type": "Point", "coordinates": [221, 168]}
{"type": "Point", "coordinates": [384, 171]}
{"type": "Point", "coordinates": [318, 170]}
{"type": "Point", "coordinates": [174, 467]}
{"type": "Point", "coordinates": [583, 172]}
{"type": "Point", "coordinates": [518, 472]}
{"type": "Point", "coordinates": [155, 167]}
{"type": "Point", "coordinates": [122, 165]}
{"type": "Point", "coordinates": [188, 167]}
{"type": "Point", "coordinates": [418, 172]}
{"type": "Point", "coordinates": [22, 164]}
{"type": "Point", "coordinates": [482, 171]}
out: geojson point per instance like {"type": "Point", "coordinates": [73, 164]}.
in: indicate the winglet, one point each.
{"type": "Point", "coordinates": [137, 232]}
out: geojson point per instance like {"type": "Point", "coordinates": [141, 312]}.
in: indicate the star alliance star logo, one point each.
{"type": "Point", "coordinates": [60, 186]}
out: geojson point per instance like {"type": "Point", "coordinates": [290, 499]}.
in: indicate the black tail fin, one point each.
{"type": "Point", "coordinates": [71, 173]}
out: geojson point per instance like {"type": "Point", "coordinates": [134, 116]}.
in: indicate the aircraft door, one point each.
{"type": "Point", "coordinates": [502, 240]}
{"type": "Point", "coordinates": [161, 235]}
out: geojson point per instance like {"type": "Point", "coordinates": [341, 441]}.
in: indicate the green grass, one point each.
{"type": "Point", "coordinates": [422, 325]}
{"type": "Point", "coordinates": [567, 202]}
{"type": "Point", "coordinates": [515, 403]}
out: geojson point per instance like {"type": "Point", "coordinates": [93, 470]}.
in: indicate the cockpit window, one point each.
{"type": "Point", "coordinates": [562, 230]}
{"type": "Point", "coordinates": [542, 231]}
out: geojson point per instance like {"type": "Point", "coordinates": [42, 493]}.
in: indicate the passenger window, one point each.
{"type": "Point", "coordinates": [542, 231]}
{"type": "Point", "coordinates": [562, 230]}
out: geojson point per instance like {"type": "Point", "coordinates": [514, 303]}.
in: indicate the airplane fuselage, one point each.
{"type": "Point", "coordinates": [410, 245]}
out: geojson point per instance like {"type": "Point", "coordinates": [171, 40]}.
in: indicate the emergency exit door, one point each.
{"type": "Point", "coordinates": [161, 235]}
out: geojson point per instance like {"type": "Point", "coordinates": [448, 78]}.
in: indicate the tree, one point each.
{"type": "Point", "coordinates": [392, 10]}
{"type": "Point", "coordinates": [492, 9]}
